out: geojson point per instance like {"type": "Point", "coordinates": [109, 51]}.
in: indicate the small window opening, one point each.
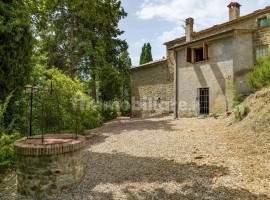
{"type": "Point", "coordinates": [263, 22]}
{"type": "Point", "coordinates": [198, 54]}
{"type": "Point", "coordinates": [261, 51]}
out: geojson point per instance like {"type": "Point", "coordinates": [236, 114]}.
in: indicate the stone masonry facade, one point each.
{"type": "Point", "coordinates": [228, 53]}
{"type": "Point", "coordinates": [152, 89]}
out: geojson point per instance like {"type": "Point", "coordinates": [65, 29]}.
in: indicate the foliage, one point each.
{"type": "Point", "coordinates": [78, 36]}
{"type": "Point", "coordinates": [124, 71]}
{"type": "Point", "coordinates": [3, 109]}
{"type": "Point", "coordinates": [7, 157]}
{"type": "Point", "coordinates": [110, 84]}
{"type": "Point", "coordinates": [237, 97]}
{"type": "Point", "coordinates": [81, 39]}
{"type": "Point", "coordinates": [16, 43]}
{"type": "Point", "coordinates": [64, 108]}
{"type": "Point", "coordinates": [146, 55]}
{"type": "Point", "coordinates": [110, 111]}
{"type": "Point", "coordinates": [260, 77]}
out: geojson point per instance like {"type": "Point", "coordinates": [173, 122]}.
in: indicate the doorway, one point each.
{"type": "Point", "coordinates": [203, 101]}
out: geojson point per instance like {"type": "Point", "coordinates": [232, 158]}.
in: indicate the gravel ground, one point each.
{"type": "Point", "coordinates": [158, 158]}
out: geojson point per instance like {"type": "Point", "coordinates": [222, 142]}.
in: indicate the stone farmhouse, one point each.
{"type": "Point", "coordinates": [201, 69]}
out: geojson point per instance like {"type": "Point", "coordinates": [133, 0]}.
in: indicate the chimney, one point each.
{"type": "Point", "coordinates": [189, 29]}
{"type": "Point", "coordinates": [234, 10]}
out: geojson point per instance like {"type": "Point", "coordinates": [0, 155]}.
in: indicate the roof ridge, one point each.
{"type": "Point", "coordinates": [222, 24]}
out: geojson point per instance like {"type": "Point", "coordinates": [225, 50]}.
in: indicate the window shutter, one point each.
{"type": "Point", "coordinates": [188, 54]}
{"type": "Point", "coordinates": [205, 51]}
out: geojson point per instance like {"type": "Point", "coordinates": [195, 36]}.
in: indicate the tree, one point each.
{"type": "Point", "coordinates": [16, 43]}
{"type": "Point", "coordinates": [78, 35]}
{"type": "Point", "coordinates": [125, 82]}
{"type": "Point", "coordinates": [143, 54]}
{"type": "Point", "coordinates": [146, 55]}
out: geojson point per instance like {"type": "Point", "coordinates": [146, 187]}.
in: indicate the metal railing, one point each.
{"type": "Point", "coordinates": [50, 111]}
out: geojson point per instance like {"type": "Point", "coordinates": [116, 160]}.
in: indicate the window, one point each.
{"type": "Point", "coordinates": [197, 54]}
{"type": "Point", "coordinates": [261, 51]}
{"type": "Point", "coordinates": [263, 22]}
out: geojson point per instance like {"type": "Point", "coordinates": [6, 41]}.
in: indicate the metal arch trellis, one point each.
{"type": "Point", "coordinates": [46, 110]}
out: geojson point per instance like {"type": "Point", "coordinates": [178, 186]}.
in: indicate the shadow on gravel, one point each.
{"type": "Point", "coordinates": [196, 181]}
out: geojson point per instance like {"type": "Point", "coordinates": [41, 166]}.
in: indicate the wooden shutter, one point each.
{"type": "Point", "coordinates": [189, 55]}
{"type": "Point", "coordinates": [205, 51]}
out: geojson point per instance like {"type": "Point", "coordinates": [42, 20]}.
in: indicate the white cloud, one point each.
{"type": "Point", "coordinates": [205, 13]}
{"type": "Point", "coordinates": [173, 10]}
{"type": "Point", "coordinates": [139, 43]}
{"type": "Point", "coordinates": [172, 34]}
{"type": "Point", "coordinates": [262, 2]}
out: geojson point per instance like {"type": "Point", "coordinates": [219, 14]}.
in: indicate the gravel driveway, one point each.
{"type": "Point", "coordinates": [158, 158]}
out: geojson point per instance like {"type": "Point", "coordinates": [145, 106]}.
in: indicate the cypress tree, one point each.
{"type": "Point", "coordinates": [146, 55]}
{"type": "Point", "coordinates": [142, 57]}
{"type": "Point", "coordinates": [16, 43]}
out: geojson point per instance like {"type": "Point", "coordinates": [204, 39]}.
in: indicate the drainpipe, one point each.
{"type": "Point", "coordinates": [176, 115]}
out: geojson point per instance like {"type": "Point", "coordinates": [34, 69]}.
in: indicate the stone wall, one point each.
{"type": "Point", "coordinates": [152, 89]}
{"type": "Point", "coordinates": [48, 169]}
{"type": "Point", "coordinates": [221, 74]}
{"type": "Point", "coordinates": [215, 74]}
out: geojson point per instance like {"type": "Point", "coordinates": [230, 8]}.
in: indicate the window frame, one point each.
{"type": "Point", "coordinates": [191, 53]}
{"type": "Point", "coordinates": [263, 18]}
{"type": "Point", "coordinates": [262, 50]}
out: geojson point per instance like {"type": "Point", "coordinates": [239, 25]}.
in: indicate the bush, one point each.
{"type": "Point", "coordinates": [87, 111]}
{"type": "Point", "coordinates": [260, 76]}
{"type": "Point", "coordinates": [68, 109]}
{"type": "Point", "coordinates": [237, 97]}
{"type": "Point", "coordinates": [110, 111]}
{"type": "Point", "coordinates": [7, 157]}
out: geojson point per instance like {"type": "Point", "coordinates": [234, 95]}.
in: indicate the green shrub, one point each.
{"type": "Point", "coordinates": [87, 112]}
{"type": "Point", "coordinates": [260, 76]}
{"type": "Point", "coordinates": [110, 111]}
{"type": "Point", "coordinates": [7, 157]}
{"type": "Point", "coordinates": [237, 97]}
{"type": "Point", "coordinates": [237, 117]}
{"type": "Point", "coordinates": [68, 109]}
{"type": "Point", "coordinates": [3, 108]}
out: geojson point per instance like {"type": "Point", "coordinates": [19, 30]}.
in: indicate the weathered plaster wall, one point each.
{"type": "Point", "coordinates": [216, 73]}
{"type": "Point", "coordinates": [243, 60]}
{"type": "Point", "coordinates": [152, 90]}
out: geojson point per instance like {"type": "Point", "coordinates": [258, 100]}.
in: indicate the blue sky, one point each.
{"type": "Point", "coordinates": [158, 21]}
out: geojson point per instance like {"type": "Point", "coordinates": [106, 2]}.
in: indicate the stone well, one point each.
{"type": "Point", "coordinates": [48, 168]}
